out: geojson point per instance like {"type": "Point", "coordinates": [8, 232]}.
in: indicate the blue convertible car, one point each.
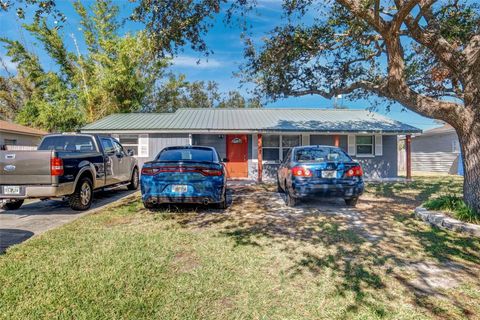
{"type": "Point", "coordinates": [189, 174]}
{"type": "Point", "coordinates": [320, 171]}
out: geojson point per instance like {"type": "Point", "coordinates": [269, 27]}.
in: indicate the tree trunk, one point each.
{"type": "Point", "coordinates": [470, 142]}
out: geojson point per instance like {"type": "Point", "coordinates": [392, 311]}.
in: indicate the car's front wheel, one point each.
{"type": "Point", "coordinates": [351, 202]}
{"type": "Point", "coordinates": [82, 198]}
{"type": "Point", "coordinates": [12, 204]}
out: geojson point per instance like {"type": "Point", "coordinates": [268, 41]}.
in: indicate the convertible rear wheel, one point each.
{"type": "Point", "coordinates": [289, 199]}
{"type": "Point", "coordinates": [13, 205]}
{"type": "Point", "coordinates": [352, 202]}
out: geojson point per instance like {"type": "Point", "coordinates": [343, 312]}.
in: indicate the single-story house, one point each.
{"type": "Point", "coordinates": [17, 137]}
{"type": "Point", "coordinates": [436, 150]}
{"type": "Point", "coordinates": [255, 140]}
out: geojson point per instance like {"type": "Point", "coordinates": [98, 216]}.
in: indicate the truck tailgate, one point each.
{"type": "Point", "coordinates": [25, 167]}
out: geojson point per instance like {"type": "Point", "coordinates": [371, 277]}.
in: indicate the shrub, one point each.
{"type": "Point", "coordinates": [455, 205]}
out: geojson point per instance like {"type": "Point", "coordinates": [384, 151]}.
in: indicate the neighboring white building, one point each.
{"type": "Point", "coordinates": [436, 150]}
{"type": "Point", "coordinates": [15, 136]}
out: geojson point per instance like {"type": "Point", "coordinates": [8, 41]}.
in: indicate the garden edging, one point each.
{"type": "Point", "coordinates": [443, 221]}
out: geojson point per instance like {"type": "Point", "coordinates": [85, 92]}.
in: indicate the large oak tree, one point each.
{"type": "Point", "coordinates": [423, 54]}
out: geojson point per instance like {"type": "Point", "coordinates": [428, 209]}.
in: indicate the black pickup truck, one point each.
{"type": "Point", "coordinates": [66, 165]}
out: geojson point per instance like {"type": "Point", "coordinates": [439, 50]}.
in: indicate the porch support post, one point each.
{"type": "Point", "coordinates": [408, 151]}
{"type": "Point", "coordinates": [260, 158]}
{"type": "Point", "coordinates": [336, 139]}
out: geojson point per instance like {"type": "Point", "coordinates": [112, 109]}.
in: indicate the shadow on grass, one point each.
{"type": "Point", "coordinates": [362, 248]}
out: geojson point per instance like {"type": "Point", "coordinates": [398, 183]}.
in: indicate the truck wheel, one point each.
{"type": "Point", "coordinates": [134, 180]}
{"type": "Point", "coordinates": [352, 202]}
{"type": "Point", "coordinates": [82, 198]}
{"type": "Point", "coordinates": [13, 205]}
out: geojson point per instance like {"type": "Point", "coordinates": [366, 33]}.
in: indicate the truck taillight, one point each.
{"type": "Point", "coordinates": [301, 172]}
{"type": "Point", "coordinates": [355, 172]}
{"type": "Point", "coordinates": [56, 166]}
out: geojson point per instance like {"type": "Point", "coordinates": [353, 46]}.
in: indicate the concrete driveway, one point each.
{"type": "Point", "coordinates": [39, 216]}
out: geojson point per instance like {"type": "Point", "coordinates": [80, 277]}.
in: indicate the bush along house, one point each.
{"type": "Point", "coordinates": [255, 140]}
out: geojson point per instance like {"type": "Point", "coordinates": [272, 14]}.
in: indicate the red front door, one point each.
{"type": "Point", "coordinates": [237, 155]}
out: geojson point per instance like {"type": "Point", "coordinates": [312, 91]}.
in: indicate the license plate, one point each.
{"type": "Point", "coordinates": [13, 190]}
{"type": "Point", "coordinates": [179, 188]}
{"type": "Point", "coordinates": [329, 174]}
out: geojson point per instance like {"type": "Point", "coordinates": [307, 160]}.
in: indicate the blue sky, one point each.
{"type": "Point", "coordinates": [223, 40]}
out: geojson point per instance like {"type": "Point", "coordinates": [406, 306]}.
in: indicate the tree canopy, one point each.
{"type": "Point", "coordinates": [116, 73]}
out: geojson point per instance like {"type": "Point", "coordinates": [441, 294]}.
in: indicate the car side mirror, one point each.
{"type": "Point", "coordinates": [225, 160]}
{"type": "Point", "coordinates": [130, 153]}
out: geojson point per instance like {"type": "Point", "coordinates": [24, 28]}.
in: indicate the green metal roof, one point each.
{"type": "Point", "coordinates": [256, 120]}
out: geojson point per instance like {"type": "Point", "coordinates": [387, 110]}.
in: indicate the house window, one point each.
{"type": "Point", "coordinates": [289, 142]}
{"type": "Point", "coordinates": [11, 142]}
{"type": "Point", "coordinates": [129, 142]}
{"type": "Point", "coordinates": [138, 143]}
{"type": "Point", "coordinates": [365, 145]}
{"type": "Point", "coordinates": [276, 147]}
{"type": "Point", "coordinates": [271, 147]}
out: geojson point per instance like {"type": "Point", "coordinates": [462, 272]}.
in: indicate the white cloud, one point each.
{"type": "Point", "coordinates": [6, 62]}
{"type": "Point", "coordinates": [193, 62]}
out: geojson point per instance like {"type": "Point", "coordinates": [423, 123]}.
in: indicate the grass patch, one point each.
{"type": "Point", "coordinates": [455, 206]}
{"type": "Point", "coordinates": [257, 260]}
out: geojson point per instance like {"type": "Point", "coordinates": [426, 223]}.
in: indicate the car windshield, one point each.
{"type": "Point", "coordinates": [193, 154]}
{"type": "Point", "coordinates": [320, 155]}
{"type": "Point", "coordinates": [68, 143]}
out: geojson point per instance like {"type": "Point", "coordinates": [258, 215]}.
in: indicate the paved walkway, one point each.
{"type": "Point", "coordinates": [39, 216]}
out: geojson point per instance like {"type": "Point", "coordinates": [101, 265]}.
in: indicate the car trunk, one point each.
{"type": "Point", "coordinates": [197, 176]}
{"type": "Point", "coordinates": [326, 171]}
{"type": "Point", "coordinates": [25, 167]}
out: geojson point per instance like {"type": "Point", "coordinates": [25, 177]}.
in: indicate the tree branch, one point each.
{"type": "Point", "coordinates": [357, 8]}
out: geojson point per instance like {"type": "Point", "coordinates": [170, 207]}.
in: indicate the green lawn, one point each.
{"type": "Point", "coordinates": [253, 263]}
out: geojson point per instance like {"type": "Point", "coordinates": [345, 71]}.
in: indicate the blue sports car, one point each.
{"type": "Point", "coordinates": [188, 174]}
{"type": "Point", "coordinates": [320, 171]}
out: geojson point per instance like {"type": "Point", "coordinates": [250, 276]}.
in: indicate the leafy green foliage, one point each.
{"type": "Point", "coordinates": [117, 73]}
{"type": "Point", "coordinates": [455, 205]}
{"type": "Point", "coordinates": [177, 92]}
{"type": "Point", "coordinates": [173, 23]}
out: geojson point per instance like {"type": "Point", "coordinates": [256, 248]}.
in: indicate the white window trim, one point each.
{"type": "Point", "coordinates": [365, 155]}
{"type": "Point", "coordinates": [127, 146]}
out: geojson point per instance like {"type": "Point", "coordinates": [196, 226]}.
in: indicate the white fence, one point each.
{"type": "Point", "coordinates": [14, 147]}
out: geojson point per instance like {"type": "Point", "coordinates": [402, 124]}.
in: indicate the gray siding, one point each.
{"type": "Point", "coordinates": [158, 141]}
{"type": "Point", "coordinates": [434, 143]}
{"type": "Point", "coordinates": [329, 141]}
{"type": "Point", "coordinates": [211, 140]}
{"type": "Point", "coordinates": [434, 153]}
{"type": "Point", "coordinates": [385, 166]}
